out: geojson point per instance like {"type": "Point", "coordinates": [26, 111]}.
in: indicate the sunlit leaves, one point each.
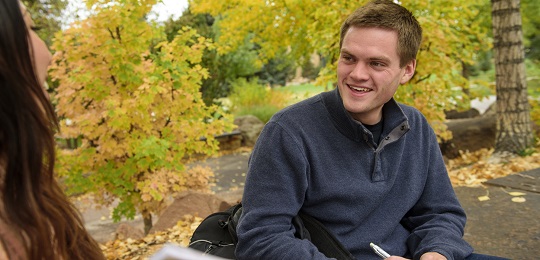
{"type": "Point", "coordinates": [133, 100]}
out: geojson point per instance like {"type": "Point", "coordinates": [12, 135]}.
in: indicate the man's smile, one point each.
{"type": "Point", "coordinates": [359, 89]}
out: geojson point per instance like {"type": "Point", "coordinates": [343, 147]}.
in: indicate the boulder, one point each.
{"type": "Point", "coordinates": [470, 134]}
{"type": "Point", "coordinates": [125, 231]}
{"type": "Point", "coordinates": [454, 114]}
{"type": "Point", "coordinates": [250, 127]}
{"type": "Point", "coordinates": [230, 141]}
{"type": "Point", "coordinates": [189, 203]}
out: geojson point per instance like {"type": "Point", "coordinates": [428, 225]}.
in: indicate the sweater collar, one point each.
{"type": "Point", "coordinates": [392, 113]}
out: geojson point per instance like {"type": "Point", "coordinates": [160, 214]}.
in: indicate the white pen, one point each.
{"type": "Point", "coordinates": [379, 251]}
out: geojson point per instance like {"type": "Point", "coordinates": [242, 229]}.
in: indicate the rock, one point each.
{"type": "Point", "coordinates": [454, 114]}
{"type": "Point", "coordinates": [125, 231]}
{"type": "Point", "coordinates": [230, 141]}
{"type": "Point", "coordinates": [250, 126]}
{"type": "Point", "coordinates": [189, 203]}
{"type": "Point", "coordinates": [469, 134]}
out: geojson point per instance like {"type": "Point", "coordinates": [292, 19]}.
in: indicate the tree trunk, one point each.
{"type": "Point", "coordinates": [147, 220]}
{"type": "Point", "coordinates": [514, 131]}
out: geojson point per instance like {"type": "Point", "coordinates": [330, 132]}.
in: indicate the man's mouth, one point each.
{"type": "Point", "coordinates": [359, 89]}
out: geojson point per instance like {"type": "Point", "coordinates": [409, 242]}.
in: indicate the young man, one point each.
{"type": "Point", "coordinates": [368, 168]}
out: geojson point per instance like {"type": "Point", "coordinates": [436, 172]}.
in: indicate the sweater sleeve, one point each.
{"type": "Point", "coordinates": [274, 193]}
{"type": "Point", "coordinates": [437, 220]}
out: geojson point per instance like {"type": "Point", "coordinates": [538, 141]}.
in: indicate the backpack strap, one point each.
{"type": "Point", "coordinates": [232, 222]}
{"type": "Point", "coordinates": [324, 240]}
{"type": "Point", "coordinates": [301, 231]}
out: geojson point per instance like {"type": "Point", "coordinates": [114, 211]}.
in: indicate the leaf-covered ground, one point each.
{"type": "Point", "coordinates": [471, 169]}
{"type": "Point", "coordinates": [143, 248]}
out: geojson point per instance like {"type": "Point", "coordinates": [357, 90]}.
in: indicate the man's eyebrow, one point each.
{"type": "Point", "coordinates": [344, 51]}
{"type": "Point", "coordinates": [380, 58]}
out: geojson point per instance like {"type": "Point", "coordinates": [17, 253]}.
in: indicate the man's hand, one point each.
{"type": "Point", "coordinates": [432, 256]}
{"type": "Point", "coordinates": [426, 256]}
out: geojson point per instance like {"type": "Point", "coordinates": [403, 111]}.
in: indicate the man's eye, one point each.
{"type": "Point", "coordinates": [377, 64]}
{"type": "Point", "coordinates": [347, 58]}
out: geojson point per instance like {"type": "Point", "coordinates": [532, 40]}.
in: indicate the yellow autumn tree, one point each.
{"type": "Point", "coordinates": [453, 34]}
{"type": "Point", "coordinates": [132, 100]}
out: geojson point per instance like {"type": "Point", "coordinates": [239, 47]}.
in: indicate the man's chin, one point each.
{"type": "Point", "coordinates": [354, 109]}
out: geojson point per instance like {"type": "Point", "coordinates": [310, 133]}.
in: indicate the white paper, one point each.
{"type": "Point", "coordinates": [175, 252]}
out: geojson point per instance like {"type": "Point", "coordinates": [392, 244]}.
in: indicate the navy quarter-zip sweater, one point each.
{"type": "Point", "coordinates": [313, 157]}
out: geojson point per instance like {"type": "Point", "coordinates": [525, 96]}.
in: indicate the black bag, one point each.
{"type": "Point", "coordinates": [212, 236]}
{"type": "Point", "coordinates": [216, 235]}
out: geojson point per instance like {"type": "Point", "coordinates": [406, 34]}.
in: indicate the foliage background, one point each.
{"type": "Point", "coordinates": [453, 34]}
{"type": "Point", "coordinates": [132, 99]}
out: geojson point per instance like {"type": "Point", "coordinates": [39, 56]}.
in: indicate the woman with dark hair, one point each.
{"type": "Point", "coordinates": [37, 221]}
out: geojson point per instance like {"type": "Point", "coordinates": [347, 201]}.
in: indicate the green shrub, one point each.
{"type": "Point", "coordinates": [302, 91]}
{"type": "Point", "coordinates": [249, 97]}
{"type": "Point", "coordinates": [262, 112]}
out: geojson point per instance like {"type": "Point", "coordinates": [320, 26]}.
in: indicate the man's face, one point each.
{"type": "Point", "coordinates": [368, 72]}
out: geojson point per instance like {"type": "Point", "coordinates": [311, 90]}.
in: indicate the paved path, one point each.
{"type": "Point", "coordinates": [230, 171]}
{"type": "Point", "coordinates": [497, 226]}
{"type": "Point", "coordinates": [500, 226]}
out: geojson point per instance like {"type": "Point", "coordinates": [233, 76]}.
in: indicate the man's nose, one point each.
{"type": "Point", "coordinates": [359, 72]}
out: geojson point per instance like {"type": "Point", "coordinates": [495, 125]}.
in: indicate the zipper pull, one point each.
{"type": "Point", "coordinates": [212, 246]}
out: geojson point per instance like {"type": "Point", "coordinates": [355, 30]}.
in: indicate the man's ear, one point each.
{"type": "Point", "coordinates": [408, 72]}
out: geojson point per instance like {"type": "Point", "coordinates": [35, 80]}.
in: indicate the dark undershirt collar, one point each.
{"type": "Point", "coordinates": [376, 130]}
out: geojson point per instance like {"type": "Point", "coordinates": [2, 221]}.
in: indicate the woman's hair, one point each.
{"type": "Point", "coordinates": [34, 204]}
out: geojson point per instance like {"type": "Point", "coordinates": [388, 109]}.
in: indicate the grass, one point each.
{"type": "Point", "coordinates": [302, 91]}
{"type": "Point", "coordinates": [251, 98]}
{"type": "Point", "coordinates": [262, 112]}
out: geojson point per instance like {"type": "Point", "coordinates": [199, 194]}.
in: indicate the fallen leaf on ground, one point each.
{"type": "Point", "coordinates": [517, 193]}
{"type": "Point", "coordinates": [518, 199]}
{"type": "Point", "coordinates": [475, 168]}
{"type": "Point", "coordinates": [483, 198]}
{"type": "Point", "coordinates": [143, 248]}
